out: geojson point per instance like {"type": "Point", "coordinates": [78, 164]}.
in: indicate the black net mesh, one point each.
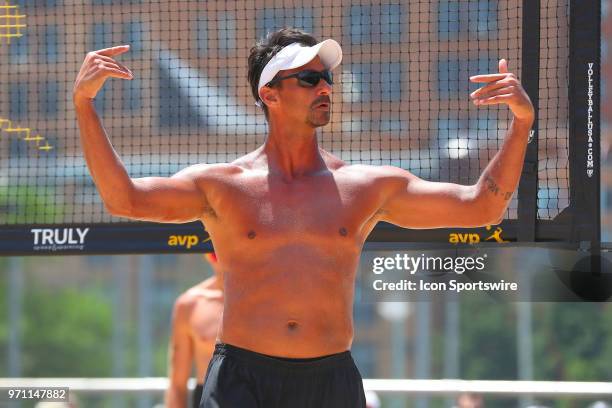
{"type": "Point", "coordinates": [553, 166]}
{"type": "Point", "coordinates": [401, 95]}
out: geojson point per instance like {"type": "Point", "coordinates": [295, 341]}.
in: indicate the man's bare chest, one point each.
{"type": "Point", "coordinates": [317, 206]}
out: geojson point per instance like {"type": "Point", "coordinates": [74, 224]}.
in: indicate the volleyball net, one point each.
{"type": "Point", "coordinates": [401, 97]}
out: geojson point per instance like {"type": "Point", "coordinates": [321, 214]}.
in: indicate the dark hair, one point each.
{"type": "Point", "coordinates": [267, 48]}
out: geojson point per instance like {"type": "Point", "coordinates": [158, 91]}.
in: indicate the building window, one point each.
{"type": "Point", "coordinates": [202, 35]}
{"type": "Point", "coordinates": [19, 49]}
{"type": "Point", "coordinates": [38, 3]}
{"type": "Point", "coordinates": [448, 19]}
{"type": "Point", "coordinates": [375, 24]}
{"type": "Point", "coordinates": [134, 34]}
{"type": "Point", "coordinates": [272, 19]}
{"type": "Point", "coordinates": [102, 36]}
{"type": "Point", "coordinates": [454, 73]}
{"type": "Point", "coordinates": [351, 85]}
{"type": "Point", "coordinates": [359, 89]}
{"type": "Point", "coordinates": [372, 82]}
{"type": "Point", "coordinates": [18, 97]}
{"type": "Point", "coordinates": [18, 147]}
{"type": "Point", "coordinates": [360, 24]}
{"type": "Point", "coordinates": [48, 100]}
{"type": "Point", "coordinates": [391, 82]}
{"type": "Point", "coordinates": [175, 109]}
{"type": "Point", "coordinates": [132, 99]}
{"type": "Point", "coordinates": [472, 18]}
{"type": "Point", "coordinates": [226, 77]}
{"type": "Point", "coordinates": [460, 137]}
{"type": "Point", "coordinates": [226, 23]}
{"type": "Point", "coordinates": [51, 41]}
{"type": "Point", "coordinates": [390, 23]}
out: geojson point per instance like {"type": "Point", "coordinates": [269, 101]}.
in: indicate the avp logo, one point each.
{"type": "Point", "coordinates": [496, 236]}
{"type": "Point", "coordinates": [474, 238]}
{"type": "Point", "coordinates": [185, 240]}
{"type": "Point", "coordinates": [458, 238]}
{"type": "Point", "coordinates": [59, 236]}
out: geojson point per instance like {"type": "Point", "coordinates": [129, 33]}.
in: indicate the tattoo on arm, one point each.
{"type": "Point", "coordinates": [494, 188]}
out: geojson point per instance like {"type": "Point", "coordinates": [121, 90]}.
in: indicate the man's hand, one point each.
{"type": "Point", "coordinates": [503, 88]}
{"type": "Point", "coordinates": [97, 67]}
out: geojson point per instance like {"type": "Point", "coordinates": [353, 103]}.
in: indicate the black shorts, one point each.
{"type": "Point", "coordinates": [239, 378]}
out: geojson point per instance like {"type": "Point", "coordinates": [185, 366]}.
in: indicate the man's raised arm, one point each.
{"type": "Point", "coordinates": [415, 203]}
{"type": "Point", "coordinates": [175, 199]}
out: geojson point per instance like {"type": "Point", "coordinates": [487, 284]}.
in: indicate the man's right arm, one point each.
{"type": "Point", "coordinates": [175, 199]}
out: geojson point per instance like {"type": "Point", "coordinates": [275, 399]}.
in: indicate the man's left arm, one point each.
{"type": "Point", "coordinates": [415, 203]}
{"type": "Point", "coordinates": [501, 176]}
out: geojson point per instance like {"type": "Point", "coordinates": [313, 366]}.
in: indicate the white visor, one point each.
{"type": "Point", "coordinates": [295, 55]}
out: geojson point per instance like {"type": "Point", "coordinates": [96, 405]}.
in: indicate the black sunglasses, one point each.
{"type": "Point", "coordinates": [307, 78]}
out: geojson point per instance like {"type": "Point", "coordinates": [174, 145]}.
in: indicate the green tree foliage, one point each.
{"type": "Point", "coordinates": [488, 339]}
{"type": "Point", "coordinates": [65, 333]}
{"type": "Point", "coordinates": [573, 341]}
{"type": "Point", "coordinates": [26, 204]}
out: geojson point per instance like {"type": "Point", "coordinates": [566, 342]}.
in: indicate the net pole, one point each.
{"type": "Point", "coordinates": [530, 69]}
{"type": "Point", "coordinates": [584, 100]}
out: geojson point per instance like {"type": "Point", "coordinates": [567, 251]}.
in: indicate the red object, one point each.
{"type": "Point", "coordinates": [211, 257]}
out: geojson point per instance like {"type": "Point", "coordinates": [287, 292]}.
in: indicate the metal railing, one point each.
{"type": "Point", "coordinates": [157, 385]}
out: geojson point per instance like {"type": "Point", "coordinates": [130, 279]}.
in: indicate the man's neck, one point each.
{"type": "Point", "coordinates": [218, 276]}
{"type": "Point", "coordinates": [292, 151]}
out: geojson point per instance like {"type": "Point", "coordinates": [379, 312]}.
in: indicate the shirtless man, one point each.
{"type": "Point", "coordinates": [288, 220]}
{"type": "Point", "coordinates": [195, 321]}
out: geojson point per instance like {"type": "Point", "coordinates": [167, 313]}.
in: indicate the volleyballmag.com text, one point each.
{"type": "Point", "coordinates": [589, 161]}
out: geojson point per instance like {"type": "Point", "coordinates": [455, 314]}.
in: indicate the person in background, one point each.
{"type": "Point", "coordinates": [470, 400]}
{"type": "Point", "coordinates": [195, 320]}
{"type": "Point", "coordinates": [372, 400]}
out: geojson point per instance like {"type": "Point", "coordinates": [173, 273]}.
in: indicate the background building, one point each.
{"type": "Point", "coordinates": [402, 93]}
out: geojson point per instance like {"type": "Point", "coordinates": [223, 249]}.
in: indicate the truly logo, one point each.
{"type": "Point", "coordinates": [59, 238]}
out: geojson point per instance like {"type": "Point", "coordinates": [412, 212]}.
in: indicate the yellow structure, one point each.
{"type": "Point", "coordinates": [11, 22]}
{"type": "Point", "coordinates": [24, 134]}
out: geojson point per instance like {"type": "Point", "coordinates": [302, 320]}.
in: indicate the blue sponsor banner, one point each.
{"type": "Point", "coordinates": [83, 239]}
